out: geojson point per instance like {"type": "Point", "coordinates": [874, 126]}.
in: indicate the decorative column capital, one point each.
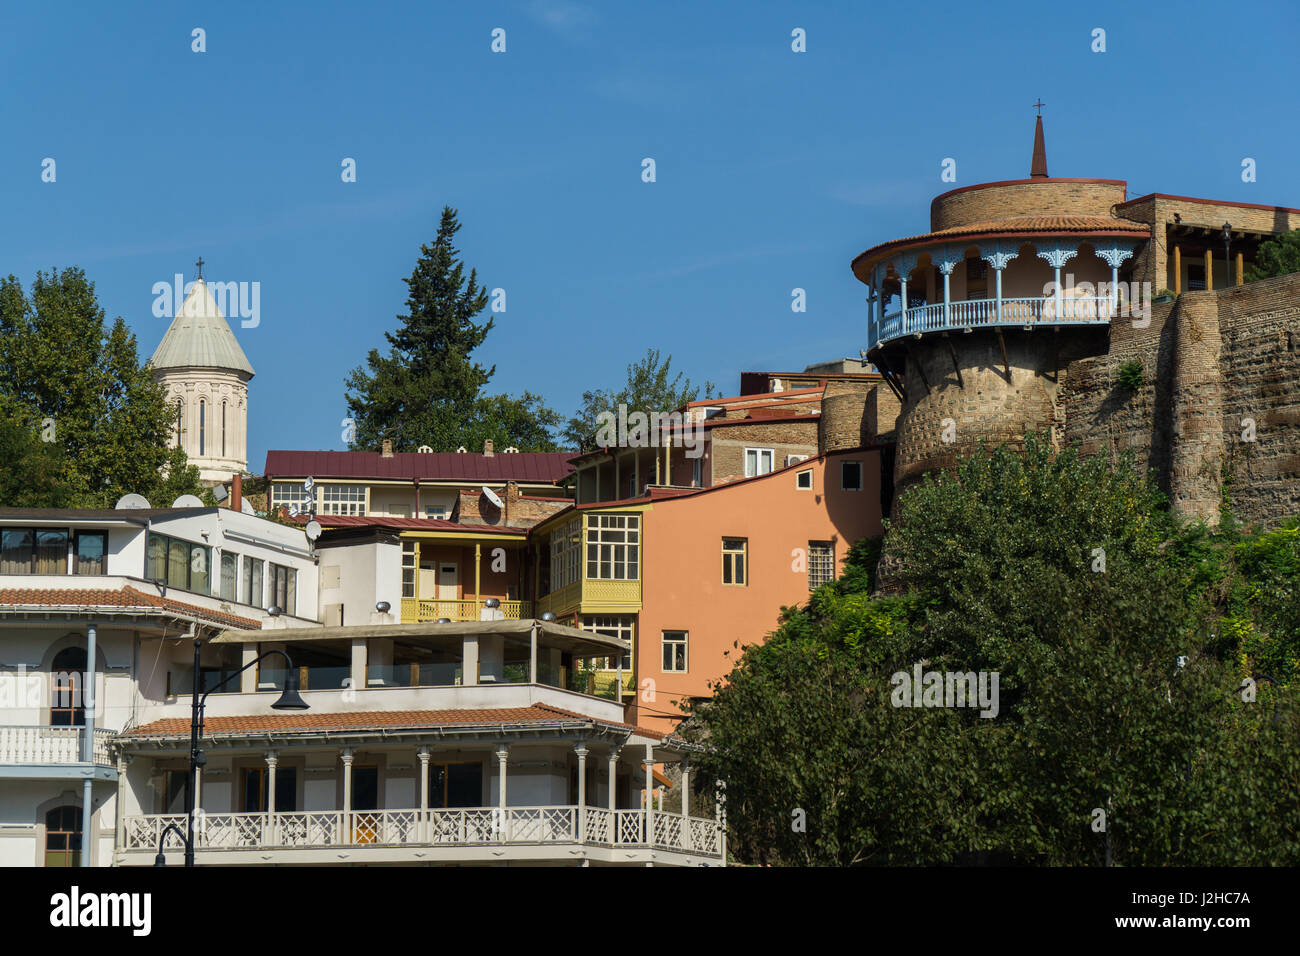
{"type": "Point", "coordinates": [1057, 255]}
{"type": "Point", "coordinates": [1114, 255]}
{"type": "Point", "coordinates": [503, 751]}
{"type": "Point", "coordinates": [948, 259]}
{"type": "Point", "coordinates": [272, 758]}
{"type": "Point", "coordinates": [581, 750]}
{"type": "Point", "coordinates": [346, 755]}
{"type": "Point", "coordinates": [996, 256]}
{"type": "Point", "coordinates": [904, 264]}
{"type": "Point", "coordinates": [423, 754]}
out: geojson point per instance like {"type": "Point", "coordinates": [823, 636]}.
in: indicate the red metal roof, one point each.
{"type": "Point", "coordinates": [127, 597]}
{"type": "Point", "coordinates": [406, 524]}
{"type": "Point", "coordinates": [533, 467]}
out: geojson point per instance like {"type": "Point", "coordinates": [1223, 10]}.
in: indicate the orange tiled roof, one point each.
{"type": "Point", "coordinates": [1027, 226]}
{"type": "Point", "coordinates": [126, 597]}
{"type": "Point", "coordinates": [310, 722]}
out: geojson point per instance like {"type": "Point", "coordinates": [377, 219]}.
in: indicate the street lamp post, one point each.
{"type": "Point", "coordinates": [290, 699]}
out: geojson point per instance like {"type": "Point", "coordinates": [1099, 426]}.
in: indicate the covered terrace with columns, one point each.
{"type": "Point", "coordinates": [1029, 271]}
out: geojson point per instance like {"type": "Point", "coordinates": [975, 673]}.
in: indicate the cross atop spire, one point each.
{"type": "Point", "coordinates": [1038, 164]}
{"type": "Point", "coordinates": [200, 265]}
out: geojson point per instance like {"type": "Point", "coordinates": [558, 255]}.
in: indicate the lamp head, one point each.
{"type": "Point", "coordinates": [290, 699]}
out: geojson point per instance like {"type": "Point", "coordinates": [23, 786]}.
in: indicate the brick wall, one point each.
{"type": "Point", "coordinates": [727, 445]}
{"type": "Point", "coordinates": [519, 511]}
{"type": "Point", "coordinates": [1090, 197]}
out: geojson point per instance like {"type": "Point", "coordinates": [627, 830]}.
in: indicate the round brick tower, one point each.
{"type": "Point", "coordinates": [972, 322]}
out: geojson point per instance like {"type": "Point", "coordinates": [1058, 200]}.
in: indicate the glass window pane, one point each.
{"type": "Point", "coordinates": [178, 564]}
{"type": "Point", "coordinates": [16, 551]}
{"type": "Point", "coordinates": [199, 569]}
{"type": "Point", "coordinates": [51, 552]}
{"type": "Point", "coordinates": [92, 549]}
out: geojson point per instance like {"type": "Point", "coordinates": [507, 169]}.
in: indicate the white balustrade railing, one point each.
{"type": "Point", "coordinates": [36, 744]}
{"type": "Point", "coordinates": [974, 313]}
{"type": "Point", "coordinates": [452, 827]}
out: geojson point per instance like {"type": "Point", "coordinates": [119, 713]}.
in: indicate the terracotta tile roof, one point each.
{"type": "Point", "coordinates": [126, 597]}
{"type": "Point", "coordinates": [528, 467]}
{"type": "Point", "coordinates": [311, 722]}
{"type": "Point", "coordinates": [1027, 226]}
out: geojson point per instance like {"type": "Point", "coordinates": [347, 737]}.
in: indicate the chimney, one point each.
{"type": "Point", "coordinates": [512, 499]}
{"type": "Point", "coordinates": [487, 447]}
{"type": "Point", "coordinates": [237, 492]}
{"type": "Point", "coordinates": [387, 451]}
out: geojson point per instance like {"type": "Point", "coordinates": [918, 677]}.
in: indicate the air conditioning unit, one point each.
{"type": "Point", "coordinates": [794, 459]}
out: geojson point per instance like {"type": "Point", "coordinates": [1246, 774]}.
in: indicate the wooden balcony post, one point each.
{"type": "Point", "coordinates": [1241, 269]}
{"type": "Point", "coordinates": [1178, 270]}
{"type": "Point", "coordinates": [649, 794]}
{"type": "Point", "coordinates": [613, 783]}
{"type": "Point", "coordinates": [1209, 269]}
{"type": "Point", "coordinates": [686, 804]}
{"type": "Point", "coordinates": [478, 560]}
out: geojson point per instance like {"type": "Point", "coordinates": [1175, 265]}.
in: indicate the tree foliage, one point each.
{"type": "Point", "coordinates": [428, 389]}
{"type": "Point", "coordinates": [82, 421]}
{"type": "Point", "coordinates": [1278, 256]}
{"type": "Point", "coordinates": [649, 388]}
{"type": "Point", "coordinates": [1122, 734]}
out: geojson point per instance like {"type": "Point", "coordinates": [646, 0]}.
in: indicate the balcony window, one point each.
{"type": "Point", "coordinates": [409, 555]}
{"type": "Point", "coordinates": [343, 500]}
{"type": "Point", "coordinates": [229, 575]}
{"type": "Point", "coordinates": [33, 551]}
{"type": "Point", "coordinates": [324, 665]}
{"type": "Point", "coordinates": [181, 564]}
{"type": "Point", "coordinates": [417, 666]}
{"type": "Point", "coordinates": [456, 785]}
{"type": "Point", "coordinates": [734, 554]}
{"type": "Point", "coordinates": [613, 625]}
{"type": "Point", "coordinates": [63, 836]}
{"type": "Point", "coordinates": [90, 556]}
{"type": "Point", "coordinates": [565, 544]}
{"type": "Point", "coordinates": [67, 690]}
{"type": "Point", "coordinates": [253, 594]}
{"type": "Point", "coordinates": [613, 547]}
{"type": "Point", "coordinates": [284, 588]}
{"type": "Point", "coordinates": [292, 496]}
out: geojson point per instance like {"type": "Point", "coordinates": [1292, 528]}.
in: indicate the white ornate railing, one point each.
{"type": "Point", "coordinates": [457, 827]}
{"type": "Point", "coordinates": [975, 313]}
{"type": "Point", "coordinates": [35, 744]}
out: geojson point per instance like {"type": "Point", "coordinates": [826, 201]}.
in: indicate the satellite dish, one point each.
{"type": "Point", "coordinates": [462, 450]}
{"type": "Point", "coordinates": [293, 511]}
{"type": "Point", "coordinates": [220, 492]}
{"type": "Point", "coordinates": [246, 507]}
{"type": "Point", "coordinates": [425, 450]}
{"type": "Point", "coordinates": [308, 484]}
{"type": "Point", "coordinates": [491, 496]}
{"type": "Point", "coordinates": [127, 502]}
{"type": "Point", "coordinates": [187, 501]}
{"type": "Point", "coordinates": [312, 530]}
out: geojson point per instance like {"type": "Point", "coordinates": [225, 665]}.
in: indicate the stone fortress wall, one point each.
{"type": "Point", "coordinates": [1218, 416]}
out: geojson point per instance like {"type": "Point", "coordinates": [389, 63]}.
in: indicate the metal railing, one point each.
{"type": "Point", "coordinates": [976, 313]}
{"type": "Point", "coordinates": [473, 826]}
{"type": "Point", "coordinates": [37, 744]}
{"type": "Point", "coordinates": [415, 610]}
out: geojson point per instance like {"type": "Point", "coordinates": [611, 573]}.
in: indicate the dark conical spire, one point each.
{"type": "Point", "coordinates": [1038, 165]}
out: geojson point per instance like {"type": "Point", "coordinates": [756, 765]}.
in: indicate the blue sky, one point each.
{"type": "Point", "coordinates": [773, 168]}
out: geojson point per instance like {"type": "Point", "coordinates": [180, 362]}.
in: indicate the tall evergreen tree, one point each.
{"type": "Point", "coordinates": [425, 390]}
{"type": "Point", "coordinates": [82, 389]}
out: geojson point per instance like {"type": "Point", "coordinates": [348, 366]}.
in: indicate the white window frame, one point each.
{"type": "Point", "coordinates": [843, 464]}
{"type": "Point", "coordinates": [684, 643]}
{"type": "Point", "coordinates": [566, 550]}
{"type": "Point", "coordinates": [290, 493]}
{"type": "Point", "coordinates": [798, 477]}
{"type": "Point", "coordinates": [743, 553]}
{"type": "Point", "coordinates": [343, 500]}
{"type": "Point", "coordinates": [755, 471]}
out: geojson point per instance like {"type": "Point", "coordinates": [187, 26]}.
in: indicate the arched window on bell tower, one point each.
{"type": "Point", "coordinates": [180, 419]}
{"type": "Point", "coordinates": [203, 424]}
{"type": "Point", "coordinates": [223, 429]}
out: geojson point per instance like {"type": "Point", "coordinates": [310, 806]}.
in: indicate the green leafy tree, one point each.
{"type": "Point", "coordinates": [1121, 734]}
{"type": "Point", "coordinates": [83, 386]}
{"type": "Point", "coordinates": [649, 388]}
{"type": "Point", "coordinates": [1278, 256]}
{"type": "Point", "coordinates": [428, 390]}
